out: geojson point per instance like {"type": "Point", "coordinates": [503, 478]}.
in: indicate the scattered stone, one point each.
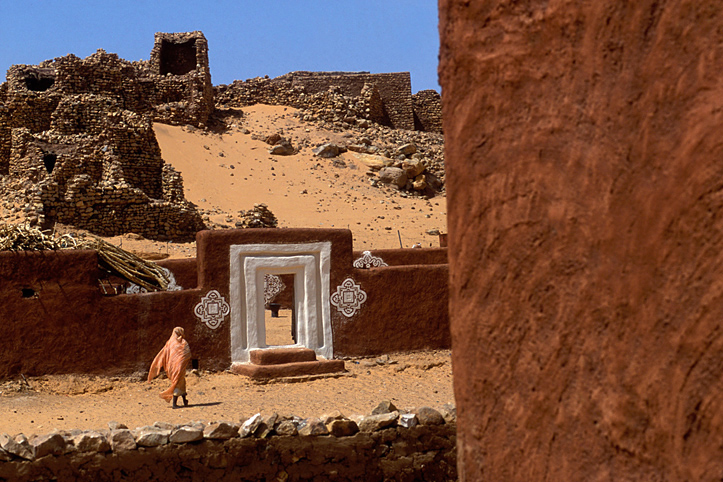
{"type": "Point", "coordinates": [433, 232]}
{"type": "Point", "coordinates": [328, 150]}
{"type": "Point", "coordinates": [406, 150]}
{"type": "Point", "coordinates": [408, 420]}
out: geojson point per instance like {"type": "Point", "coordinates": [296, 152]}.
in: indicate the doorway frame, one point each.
{"type": "Point", "coordinates": [311, 265]}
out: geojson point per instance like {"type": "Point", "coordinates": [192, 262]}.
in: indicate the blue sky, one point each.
{"type": "Point", "coordinates": [246, 38]}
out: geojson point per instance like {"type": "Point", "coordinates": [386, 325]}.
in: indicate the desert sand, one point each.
{"type": "Point", "coordinates": [224, 174]}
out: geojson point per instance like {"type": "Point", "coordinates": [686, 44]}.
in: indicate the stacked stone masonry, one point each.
{"type": "Point", "coordinates": [80, 130]}
{"type": "Point", "coordinates": [350, 97]}
{"type": "Point", "coordinates": [383, 446]}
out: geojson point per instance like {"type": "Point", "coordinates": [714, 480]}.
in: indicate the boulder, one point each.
{"type": "Point", "coordinates": [408, 420]}
{"type": "Point", "coordinates": [282, 149]}
{"type": "Point", "coordinates": [393, 175]}
{"type": "Point", "coordinates": [413, 167]}
{"type": "Point", "coordinates": [419, 183]}
{"type": "Point", "coordinates": [373, 161]}
{"type": "Point", "coordinates": [287, 427]}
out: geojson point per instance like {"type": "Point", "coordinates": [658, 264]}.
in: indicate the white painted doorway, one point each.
{"type": "Point", "coordinates": [310, 265]}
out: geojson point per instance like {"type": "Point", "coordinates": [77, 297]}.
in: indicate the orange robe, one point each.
{"type": "Point", "coordinates": [174, 359]}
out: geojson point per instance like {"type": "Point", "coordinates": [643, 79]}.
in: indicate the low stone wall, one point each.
{"type": "Point", "coordinates": [387, 445]}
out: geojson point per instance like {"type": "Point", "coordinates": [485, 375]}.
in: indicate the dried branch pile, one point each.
{"type": "Point", "coordinates": [112, 258]}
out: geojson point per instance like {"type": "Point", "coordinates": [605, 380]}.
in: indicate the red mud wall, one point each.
{"type": "Point", "coordinates": [585, 187]}
{"type": "Point", "coordinates": [63, 324]}
{"type": "Point", "coordinates": [406, 310]}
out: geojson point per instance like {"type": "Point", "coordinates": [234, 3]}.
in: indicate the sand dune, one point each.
{"type": "Point", "coordinates": [226, 173]}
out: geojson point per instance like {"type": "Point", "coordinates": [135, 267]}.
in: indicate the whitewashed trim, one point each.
{"type": "Point", "coordinates": [369, 261]}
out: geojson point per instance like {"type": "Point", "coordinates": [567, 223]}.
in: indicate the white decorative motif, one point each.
{"type": "Point", "coordinates": [348, 297]}
{"type": "Point", "coordinates": [368, 261]}
{"type": "Point", "coordinates": [272, 287]}
{"type": "Point", "coordinates": [134, 289]}
{"type": "Point", "coordinates": [212, 309]}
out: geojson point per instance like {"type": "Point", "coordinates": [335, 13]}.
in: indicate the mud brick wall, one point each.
{"type": "Point", "coordinates": [423, 452]}
{"type": "Point", "coordinates": [584, 190]}
{"type": "Point", "coordinates": [427, 106]}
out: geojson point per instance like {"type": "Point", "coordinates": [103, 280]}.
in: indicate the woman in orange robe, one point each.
{"type": "Point", "coordinates": [174, 359]}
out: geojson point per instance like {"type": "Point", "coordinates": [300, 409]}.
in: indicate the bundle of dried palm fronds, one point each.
{"type": "Point", "coordinates": [112, 258]}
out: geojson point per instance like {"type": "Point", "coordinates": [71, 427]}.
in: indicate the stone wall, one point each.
{"type": "Point", "coordinates": [260, 449]}
{"type": "Point", "coordinates": [350, 97]}
{"type": "Point", "coordinates": [427, 111]}
{"type": "Point", "coordinates": [585, 231]}
{"type": "Point", "coordinates": [80, 131]}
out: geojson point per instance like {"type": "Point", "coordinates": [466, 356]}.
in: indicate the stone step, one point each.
{"type": "Point", "coordinates": [278, 356]}
{"type": "Point", "coordinates": [297, 369]}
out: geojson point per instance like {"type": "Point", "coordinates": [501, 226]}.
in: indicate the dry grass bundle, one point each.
{"type": "Point", "coordinates": [112, 258]}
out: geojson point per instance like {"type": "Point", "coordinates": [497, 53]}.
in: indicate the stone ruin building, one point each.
{"type": "Point", "coordinates": [77, 144]}
{"type": "Point", "coordinates": [359, 97]}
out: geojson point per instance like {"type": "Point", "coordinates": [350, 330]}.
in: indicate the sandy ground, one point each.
{"type": "Point", "coordinates": [223, 174]}
{"type": "Point", "coordinates": [66, 402]}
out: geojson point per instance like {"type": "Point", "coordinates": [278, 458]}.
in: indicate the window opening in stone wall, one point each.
{"type": "Point", "coordinates": [49, 160]}
{"type": "Point", "coordinates": [39, 83]}
{"type": "Point", "coordinates": [177, 58]}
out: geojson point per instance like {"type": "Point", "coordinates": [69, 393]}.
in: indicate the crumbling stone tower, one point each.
{"type": "Point", "coordinates": [179, 65]}
{"type": "Point", "coordinates": [77, 144]}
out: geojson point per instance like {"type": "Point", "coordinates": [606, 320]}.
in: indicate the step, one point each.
{"type": "Point", "coordinates": [277, 356]}
{"type": "Point", "coordinates": [259, 372]}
